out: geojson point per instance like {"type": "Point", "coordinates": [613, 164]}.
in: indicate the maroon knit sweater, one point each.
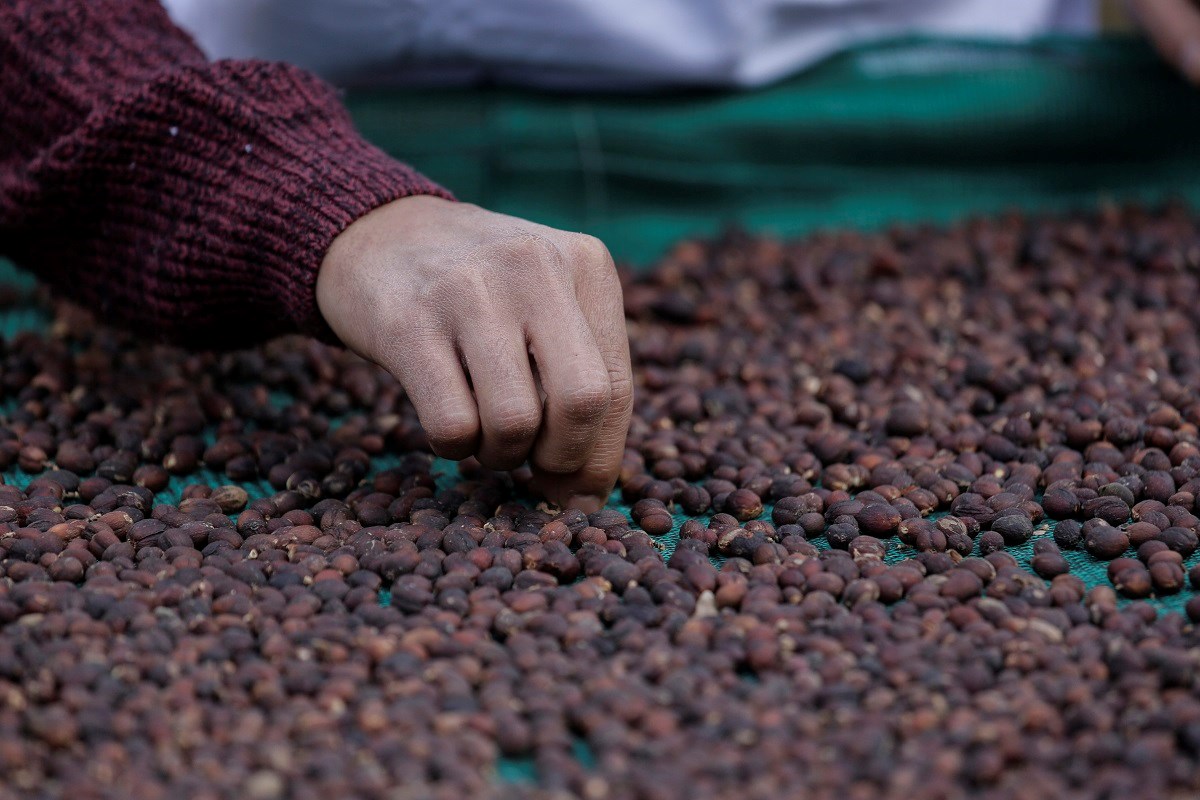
{"type": "Point", "coordinates": [191, 199]}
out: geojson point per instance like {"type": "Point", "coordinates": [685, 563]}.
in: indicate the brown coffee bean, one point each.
{"type": "Point", "coordinates": [66, 568]}
{"type": "Point", "coordinates": [825, 582]}
{"type": "Point", "coordinates": [1111, 509]}
{"type": "Point", "coordinates": [1060, 504]}
{"type": "Point", "coordinates": [1168, 578]}
{"type": "Point", "coordinates": [657, 522]}
{"type": "Point", "coordinates": [743, 505]}
{"type": "Point", "coordinates": [230, 499]}
{"type": "Point", "coordinates": [1134, 581]}
{"type": "Point", "coordinates": [1068, 534]}
{"type": "Point", "coordinates": [32, 459]}
{"type": "Point", "coordinates": [1048, 565]}
{"type": "Point", "coordinates": [1182, 540]}
{"type": "Point", "coordinates": [1193, 608]}
{"type": "Point", "coordinates": [152, 476]}
{"type": "Point", "coordinates": [1140, 533]}
{"type": "Point", "coordinates": [907, 419]}
{"type": "Point", "coordinates": [860, 592]}
{"type": "Point", "coordinates": [867, 547]}
{"type": "Point", "coordinates": [878, 519]}
{"type": "Point", "coordinates": [961, 585]}
{"type": "Point", "coordinates": [990, 542]}
{"type": "Point", "coordinates": [75, 458]}
{"type": "Point", "coordinates": [1015, 529]}
{"type": "Point", "coordinates": [1104, 541]}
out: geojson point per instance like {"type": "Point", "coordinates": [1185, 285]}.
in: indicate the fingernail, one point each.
{"type": "Point", "coordinates": [587, 503]}
{"type": "Point", "coordinates": [1189, 62]}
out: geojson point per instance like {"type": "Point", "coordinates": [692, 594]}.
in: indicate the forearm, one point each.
{"type": "Point", "coordinates": [192, 199]}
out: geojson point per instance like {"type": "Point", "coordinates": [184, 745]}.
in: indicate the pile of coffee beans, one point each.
{"type": "Point", "coordinates": [243, 574]}
{"type": "Point", "coordinates": [959, 391]}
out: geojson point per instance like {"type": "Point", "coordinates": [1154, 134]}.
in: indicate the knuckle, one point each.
{"type": "Point", "coordinates": [452, 431]}
{"type": "Point", "coordinates": [457, 288]}
{"type": "Point", "coordinates": [586, 402]}
{"type": "Point", "coordinates": [516, 424]}
{"type": "Point", "coordinates": [589, 252]}
{"type": "Point", "coordinates": [520, 265]}
{"type": "Point", "coordinates": [525, 249]}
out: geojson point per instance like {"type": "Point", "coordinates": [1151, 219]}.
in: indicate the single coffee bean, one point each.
{"type": "Point", "coordinates": [230, 499]}
{"type": "Point", "coordinates": [1168, 578]}
{"type": "Point", "coordinates": [1048, 565]}
{"type": "Point", "coordinates": [990, 542]}
{"type": "Point", "coordinates": [1135, 582]}
{"type": "Point", "coordinates": [1015, 529]}
{"type": "Point", "coordinates": [1068, 534]}
{"type": "Point", "coordinates": [878, 519]}
{"type": "Point", "coordinates": [1104, 541]}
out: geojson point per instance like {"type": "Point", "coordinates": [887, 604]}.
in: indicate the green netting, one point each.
{"type": "Point", "coordinates": [906, 130]}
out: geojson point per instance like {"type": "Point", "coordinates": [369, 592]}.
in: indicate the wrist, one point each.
{"type": "Point", "coordinates": [340, 296]}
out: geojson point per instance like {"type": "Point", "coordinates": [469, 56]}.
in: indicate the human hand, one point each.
{"type": "Point", "coordinates": [508, 336]}
{"type": "Point", "coordinates": [1173, 27]}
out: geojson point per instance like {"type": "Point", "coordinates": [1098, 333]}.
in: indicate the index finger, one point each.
{"type": "Point", "coordinates": [599, 293]}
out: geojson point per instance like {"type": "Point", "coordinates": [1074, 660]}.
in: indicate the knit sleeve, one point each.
{"type": "Point", "coordinates": [190, 200]}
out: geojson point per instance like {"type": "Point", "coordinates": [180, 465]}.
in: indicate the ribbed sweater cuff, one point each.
{"type": "Point", "coordinates": [280, 183]}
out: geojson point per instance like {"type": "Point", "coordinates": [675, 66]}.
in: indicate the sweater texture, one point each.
{"type": "Point", "coordinates": [188, 199]}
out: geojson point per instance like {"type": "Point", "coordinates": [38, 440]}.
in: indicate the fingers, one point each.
{"type": "Point", "coordinates": [1174, 28]}
{"type": "Point", "coordinates": [456, 325]}
{"type": "Point", "coordinates": [599, 293]}
{"type": "Point", "coordinates": [576, 383]}
{"type": "Point", "coordinates": [432, 375]}
{"type": "Point", "coordinates": [509, 407]}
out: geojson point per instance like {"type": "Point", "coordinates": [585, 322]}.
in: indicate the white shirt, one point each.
{"type": "Point", "coordinates": [591, 43]}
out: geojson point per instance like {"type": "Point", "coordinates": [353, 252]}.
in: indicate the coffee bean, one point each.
{"type": "Point", "coordinates": [990, 542]}
{"type": "Point", "coordinates": [1135, 582]}
{"type": "Point", "coordinates": [1111, 509]}
{"type": "Point", "coordinates": [153, 476]}
{"type": "Point", "coordinates": [376, 624]}
{"type": "Point", "coordinates": [1015, 529]}
{"type": "Point", "coordinates": [743, 505]}
{"type": "Point", "coordinates": [1181, 540]}
{"type": "Point", "coordinates": [961, 585]}
{"type": "Point", "coordinates": [1168, 578]}
{"type": "Point", "coordinates": [1060, 504]}
{"type": "Point", "coordinates": [878, 519]}
{"type": "Point", "coordinates": [867, 547]}
{"type": "Point", "coordinates": [1049, 565]}
{"type": "Point", "coordinates": [1068, 534]}
{"type": "Point", "coordinates": [230, 499]}
{"type": "Point", "coordinates": [1104, 541]}
{"type": "Point", "coordinates": [1193, 608]}
{"type": "Point", "coordinates": [907, 419]}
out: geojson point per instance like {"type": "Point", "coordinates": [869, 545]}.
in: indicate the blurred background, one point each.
{"type": "Point", "coordinates": [927, 128]}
